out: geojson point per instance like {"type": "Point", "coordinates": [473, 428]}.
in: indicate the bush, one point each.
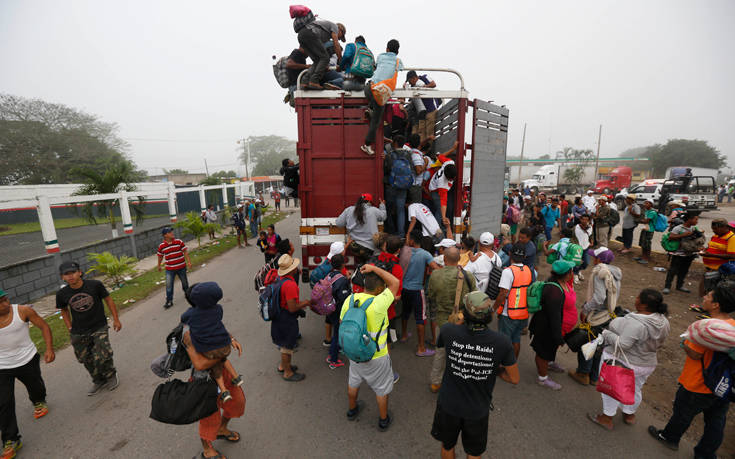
{"type": "Point", "coordinates": [113, 268]}
{"type": "Point", "coordinates": [194, 225]}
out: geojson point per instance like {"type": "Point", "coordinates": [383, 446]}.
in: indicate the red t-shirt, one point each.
{"type": "Point", "coordinates": [289, 291]}
{"type": "Point", "coordinates": [173, 254]}
{"type": "Point", "coordinates": [564, 207]}
{"type": "Point", "coordinates": [396, 271]}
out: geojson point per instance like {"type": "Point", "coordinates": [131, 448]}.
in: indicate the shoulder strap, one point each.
{"type": "Point", "coordinates": [458, 294]}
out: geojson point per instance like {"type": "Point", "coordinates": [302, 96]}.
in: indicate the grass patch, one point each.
{"type": "Point", "coordinates": [59, 223]}
{"type": "Point", "coordinates": [141, 286]}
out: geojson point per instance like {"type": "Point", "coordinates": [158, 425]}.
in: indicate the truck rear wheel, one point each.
{"type": "Point", "coordinates": [535, 189]}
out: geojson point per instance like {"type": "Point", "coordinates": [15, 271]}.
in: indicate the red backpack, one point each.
{"type": "Point", "coordinates": [298, 11]}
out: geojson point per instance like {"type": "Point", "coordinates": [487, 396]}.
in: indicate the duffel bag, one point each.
{"type": "Point", "coordinates": [179, 402]}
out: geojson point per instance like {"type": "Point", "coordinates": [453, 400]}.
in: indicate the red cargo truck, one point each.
{"type": "Point", "coordinates": [615, 181]}
{"type": "Point", "coordinates": [334, 172]}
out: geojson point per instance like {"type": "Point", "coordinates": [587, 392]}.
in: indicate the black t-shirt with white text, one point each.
{"type": "Point", "coordinates": [85, 306]}
{"type": "Point", "coordinates": [472, 361]}
{"type": "Point", "coordinates": [299, 58]}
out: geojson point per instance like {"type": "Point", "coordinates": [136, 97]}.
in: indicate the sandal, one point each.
{"type": "Point", "coordinates": [218, 456]}
{"type": "Point", "coordinates": [593, 418]}
{"type": "Point", "coordinates": [293, 368]}
{"type": "Point", "coordinates": [232, 437]}
{"type": "Point", "coordinates": [296, 377]}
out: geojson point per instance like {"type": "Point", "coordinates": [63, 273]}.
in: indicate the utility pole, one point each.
{"type": "Point", "coordinates": [206, 169]}
{"type": "Point", "coordinates": [523, 145]}
{"type": "Point", "coordinates": [247, 162]}
{"type": "Point", "coordinates": [597, 159]}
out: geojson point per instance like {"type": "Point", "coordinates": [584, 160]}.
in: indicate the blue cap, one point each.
{"type": "Point", "coordinates": [166, 229]}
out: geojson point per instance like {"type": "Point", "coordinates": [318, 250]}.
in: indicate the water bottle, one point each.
{"type": "Point", "coordinates": [170, 358]}
{"type": "Point", "coordinates": [173, 346]}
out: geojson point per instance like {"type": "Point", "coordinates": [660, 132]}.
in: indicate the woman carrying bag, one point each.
{"type": "Point", "coordinates": [637, 338]}
{"type": "Point", "coordinates": [546, 324]}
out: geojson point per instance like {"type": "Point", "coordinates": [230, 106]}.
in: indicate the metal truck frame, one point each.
{"type": "Point", "coordinates": [334, 172]}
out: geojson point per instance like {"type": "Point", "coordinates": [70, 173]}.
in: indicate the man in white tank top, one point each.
{"type": "Point", "coordinates": [19, 359]}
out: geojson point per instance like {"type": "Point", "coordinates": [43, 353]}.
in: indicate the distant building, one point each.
{"type": "Point", "coordinates": [178, 179]}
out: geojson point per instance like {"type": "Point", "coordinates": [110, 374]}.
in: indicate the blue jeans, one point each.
{"type": "Point", "coordinates": [589, 367]}
{"type": "Point", "coordinates": [333, 77]}
{"type": "Point", "coordinates": [689, 404]}
{"type": "Point", "coordinates": [400, 202]}
{"type": "Point", "coordinates": [254, 227]}
{"type": "Point", "coordinates": [511, 328]}
{"type": "Point", "coordinates": [584, 264]}
{"type": "Point", "coordinates": [547, 232]}
{"type": "Point", "coordinates": [170, 275]}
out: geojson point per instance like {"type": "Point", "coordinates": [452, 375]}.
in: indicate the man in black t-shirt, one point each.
{"type": "Point", "coordinates": [475, 356]}
{"type": "Point", "coordinates": [81, 308]}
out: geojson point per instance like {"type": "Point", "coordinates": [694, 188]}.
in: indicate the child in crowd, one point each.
{"type": "Point", "coordinates": [208, 334]}
{"type": "Point", "coordinates": [262, 244]}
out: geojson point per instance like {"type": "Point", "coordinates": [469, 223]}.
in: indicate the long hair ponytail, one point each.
{"type": "Point", "coordinates": [359, 211]}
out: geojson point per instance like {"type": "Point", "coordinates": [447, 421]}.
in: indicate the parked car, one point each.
{"type": "Point", "coordinates": [647, 189]}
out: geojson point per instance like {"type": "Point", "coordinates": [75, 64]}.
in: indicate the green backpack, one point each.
{"type": "Point", "coordinates": [533, 296]}
{"type": "Point", "coordinates": [363, 64]}
{"type": "Point", "coordinates": [574, 254]}
{"type": "Point", "coordinates": [668, 244]}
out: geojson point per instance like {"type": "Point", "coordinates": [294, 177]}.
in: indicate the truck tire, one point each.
{"type": "Point", "coordinates": [620, 202]}
{"type": "Point", "coordinates": [606, 191]}
{"type": "Point", "coordinates": [535, 189]}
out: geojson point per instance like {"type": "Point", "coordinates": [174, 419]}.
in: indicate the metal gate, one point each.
{"type": "Point", "coordinates": [489, 143]}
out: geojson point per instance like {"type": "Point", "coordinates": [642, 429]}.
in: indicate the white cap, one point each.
{"type": "Point", "coordinates": [649, 200]}
{"type": "Point", "coordinates": [336, 248]}
{"type": "Point", "coordinates": [602, 198]}
{"type": "Point", "coordinates": [590, 191]}
{"type": "Point", "coordinates": [446, 243]}
{"type": "Point", "coordinates": [487, 238]}
{"type": "Point", "coordinates": [599, 250]}
{"type": "Point", "coordinates": [526, 197]}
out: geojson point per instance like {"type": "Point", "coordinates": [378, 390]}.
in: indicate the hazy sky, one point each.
{"type": "Point", "coordinates": [185, 80]}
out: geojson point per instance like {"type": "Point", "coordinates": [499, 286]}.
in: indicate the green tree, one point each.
{"type": "Point", "coordinates": [40, 141]}
{"type": "Point", "coordinates": [574, 175]}
{"type": "Point", "coordinates": [225, 174]}
{"type": "Point", "coordinates": [193, 224]}
{"type": "Point", "coordinates": [684, 152]}
{"type": "Point", "coordinates": [267, 153]}
{"type": "Point", "coordinates": [116, 177]}
{"type": "Point", "coordinates": [175, 171]}
{"type": "Point", "coordinates": [546, 156]}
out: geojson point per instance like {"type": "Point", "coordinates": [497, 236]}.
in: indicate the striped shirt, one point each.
{"type": "Point", "coordinates": [721, 246]}
{"type": "Point", "coordinates": [173, 253]}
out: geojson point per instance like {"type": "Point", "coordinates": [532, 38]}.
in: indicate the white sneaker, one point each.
{"type": "Point", "coordinates": [576, 278]}
{"type": "Point", "coordinates": [368, 149]}
{"type": "Point", "coordinates": [550, 383]}
{"type": "Point", "coordinates": [581, 276]}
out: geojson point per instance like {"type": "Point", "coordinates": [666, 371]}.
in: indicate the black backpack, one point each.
{"type": "Point", "coordinates": [492, 290]}
{"type": "Point", "coordinates": [613, 218]}
{"type": "Point", "coordinates": [179, 402]}
{"type": "Point", "coordinates": [179, 359]}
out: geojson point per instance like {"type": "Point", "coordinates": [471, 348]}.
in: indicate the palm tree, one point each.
{"type": "Point", "coordinates": [116, 177]}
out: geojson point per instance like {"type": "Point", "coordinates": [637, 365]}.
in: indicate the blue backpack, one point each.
{"type": "Point", "coordinates": [269, 301]}
{"type": "Point", "coordinates": [354, 337]}
{"type": "Point", "coordinates": [319, 273]}
{"type": "Point", "coordinates": [661, 223]}
{"type": "Point", "coordinates": [363, 64]}
{"type": "Point", "coordinates": [719, 375]}
{"type": "Point", "coordinates": [400, 171]}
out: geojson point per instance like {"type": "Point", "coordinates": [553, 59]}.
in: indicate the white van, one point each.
{"type": "Point", "coordinates": [647, 189]}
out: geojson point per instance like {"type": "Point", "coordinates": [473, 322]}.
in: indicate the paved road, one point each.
{"type": "Point", "coordinates": [304, 419]}
{"type": "Point", "coordinates": [19, 247]}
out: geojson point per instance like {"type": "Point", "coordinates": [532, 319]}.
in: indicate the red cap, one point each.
{"type": "Point", "coordinates": [367, 197]}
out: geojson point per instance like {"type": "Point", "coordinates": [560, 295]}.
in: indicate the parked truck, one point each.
{"type": "Point", "coordinates": [334, 172]}
{"type": "Point", "coordinates": [612, 183]}
{"type": "Point", "coordinates": [552, 178]}
{"type": "Point", "coordinates": [680, 171]}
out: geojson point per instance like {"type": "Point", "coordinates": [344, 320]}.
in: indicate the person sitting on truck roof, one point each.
{"type": "Point", "coordinates": [387, 66]}
{"type": "Point", "coordinates": [352, 81]}
{"type": "Point", "coordinates": [361, 222]}
{"type": "Point", "coordinates": [295, 64]}
{"type": "Point", "coordinates": [312, 38]}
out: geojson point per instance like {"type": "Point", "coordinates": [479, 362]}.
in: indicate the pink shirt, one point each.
{"type": "Point", "coordinates": [569, 314]}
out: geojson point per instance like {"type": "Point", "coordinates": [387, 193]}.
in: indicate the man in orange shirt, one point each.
{"type": "Point", "coordinates": [720, 250]}
{"type": "Point", "coordinates": [693, 396]}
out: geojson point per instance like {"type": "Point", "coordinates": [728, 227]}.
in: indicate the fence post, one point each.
{"type": "Point", "coordinates": [172, 202]}
{"type": "Point", "coordinates": [48, 231]}
{"type": "Point", "coordinates": [127, 221]}
{"type": "Point", "coordinates": [225, 201]}
{"type": "Point", "coordinates": [202, 199]}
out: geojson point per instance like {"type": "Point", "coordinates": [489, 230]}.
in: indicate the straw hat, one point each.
{"type": "Point", "coordinates": [286, 264]}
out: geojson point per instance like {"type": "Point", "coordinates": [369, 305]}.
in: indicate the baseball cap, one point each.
{"type": "Point", "coordinates": [562, 266]}
{"type": "Point", "coordinates": [2, 293]}
{"type": "Point", "coordinates": [590, 191]}
{"type": "Point", "coordinates": [69, 267]}
{"type": "Point", "coordinates": [631, 196]}
{"type": "Point", "coordinates": [602, 198]}
{"type": "Point", "coordinates": [526, 197]}
{"type": "Point", "coordinates": [446, 243]}
{"type": "Point", "coordinates": [487, 238]}
{"type": "Point", "coordinates": [603, 254]}
{"type": "Point", "coordinates": [367, 197]}
{"type": "Point", "coordinates": [166, 229]}
{"type": "Point", "coordinates": [477, 305]}
{"type": "Point", "coordinates": [649, 200]}
{"type": "Point", "coordinates": [336, 248]}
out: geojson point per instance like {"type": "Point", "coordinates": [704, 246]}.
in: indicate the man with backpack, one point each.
{"type": "Point", "coordinates": [364, 339]}
{"type": "Point", "coordinates": [400, 179]}
{"type": "Point", "coordinates": [511, 304]}
{"type": "Point", "coordinates": [552, 217]}
{"type": "Point", "coordinates": [646, 236]}
{"type": "Point", "coordinates": [488, 266]}
{"type": "Point", "coordinates": [340, 288]}
{"type": "Point", "coordinates": [695, 394]}
{"type": "Point", "coordinates": [358, 63]}
{"type": "Point", "coordinates": [313, 35]}
{"type": "Point", "coordinates": [475, 357]}
{"type": "Point", "coordinates": [285, 325]}
{"type": "Point", "coordinates": [444, 284]}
